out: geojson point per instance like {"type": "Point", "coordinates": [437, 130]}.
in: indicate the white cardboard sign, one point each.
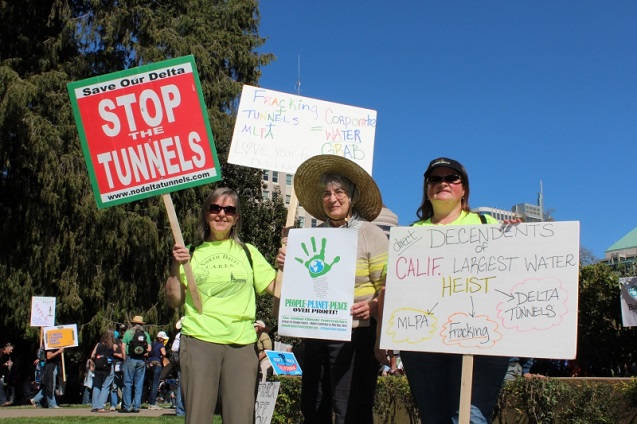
{"type": "Point", "coordinates": [42, 311]}
{"type": "Point", "coordinates": [318, 283]}
{"type": "Point", "coordinates": [278, 131]}
{"type": "Point", "coordinates": [629, 301]}
{"type": "Point", "coordinates": [266, 399]}
{"type": "Point", "coordinates": [483, 289]}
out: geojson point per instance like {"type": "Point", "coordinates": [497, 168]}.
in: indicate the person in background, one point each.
{"type": "Point", "coordinates": [434, 378]}
{"type": "Point", "coordinates": [339, 377]}
{"type": "Point", "coordinates": [118, 368]}
{"type": "Point", "coordinates": [264, 342]}
{"type": "Point", "coordinates": [174, 360]}
{"type": "Point", "coordinates": [102, 356]}
{"type": "Point", "coordinates": [5, 369]}
{"type": "Point", "coordinates": [395, 365]}
{"type": "Point", "coordinates": [520, 367]}
{"type": "Point", "coordinates": [49, 379]}
{"type": "Point", "coordinates": [88, 382]}
{"type": "Point", "coordinates": [136, 342]}
{"type": "Point", "coordinates": [155, 365]}
{"type": "Point", "coordinates": [228, 274]}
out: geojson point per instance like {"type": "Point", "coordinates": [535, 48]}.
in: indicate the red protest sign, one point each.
{"type": "Point", "coordinates": [145, 131]}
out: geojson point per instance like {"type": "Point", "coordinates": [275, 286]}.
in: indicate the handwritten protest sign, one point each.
{"type": "Point", "coordinates": [60, 336]}
{"type": "Point", "coordinates": [144, 131]}
{"type": "Point", "coordinates": [629, 301]}
{"type": "Point", "coordinates": [266, 399]}
{"type": "Point", "coordinates": [320, 266]}
{"type": "Point", "coordinates": [284, 363]}
{"type": "Point", "coordinates": [278, 131]}
{"type": "Point", "coordinates": [42, 311]}
{"type": "Point", "coordinates": [483, 289]}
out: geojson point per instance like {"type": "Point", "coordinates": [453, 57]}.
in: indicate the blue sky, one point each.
{"type": "Point", "coordinates": [520, 92]}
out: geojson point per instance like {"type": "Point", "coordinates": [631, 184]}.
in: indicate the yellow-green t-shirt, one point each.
{"type": "Point", "coordinates": [465, 218]}
{"type": "Point", "coordinates": [226, 285]}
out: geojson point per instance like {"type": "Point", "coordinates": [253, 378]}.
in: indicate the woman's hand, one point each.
{"type": "Point", "coordinates": [363, 310]}
{"type": "Point", "coordinates": [181, 254]}
{"type": "Point", "coordinates": [280, 258]}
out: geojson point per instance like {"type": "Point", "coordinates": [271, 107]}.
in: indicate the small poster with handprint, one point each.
{"type": "Point", "coordinates": [318, 283]}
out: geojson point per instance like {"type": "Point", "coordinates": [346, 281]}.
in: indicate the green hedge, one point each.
{"type": "Point", "coordinates": [524, 401]}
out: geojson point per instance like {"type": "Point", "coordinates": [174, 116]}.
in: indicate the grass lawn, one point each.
{"type": "Point", "coordinates": [96, 420]}
{"type": "Point", "coordinates": [112, 418]}
{"type": "Point", "coordinates": [99, 420]}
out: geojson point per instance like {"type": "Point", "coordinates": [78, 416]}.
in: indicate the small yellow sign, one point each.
{"type": "Point", "coordinates": [62, 336]}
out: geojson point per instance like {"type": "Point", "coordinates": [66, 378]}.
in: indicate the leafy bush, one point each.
{"type": "Point", "coordinates": [288, 403]}
{"type": "Point", "coordinates": [548, 401]}
{"type": "Point", "coordinates": [523, 401]}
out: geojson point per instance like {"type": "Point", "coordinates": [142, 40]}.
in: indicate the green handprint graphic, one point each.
{"type": "Point", "coordinates": [316, 265]}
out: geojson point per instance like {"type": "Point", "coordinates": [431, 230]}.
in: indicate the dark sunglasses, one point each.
{"type": "Point", "coordinates": [229, 210]}
{"type": "Point", "coordinates": [449, 179]}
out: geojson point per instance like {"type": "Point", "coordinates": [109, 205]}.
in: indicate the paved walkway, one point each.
{"type": "Point", "coordinates": [75, 411]}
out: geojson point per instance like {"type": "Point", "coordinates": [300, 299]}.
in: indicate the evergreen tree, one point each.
{"type": "Point", "coordinates": [104, 266]}
{"type": "Point", "coordinates": [603, 342]}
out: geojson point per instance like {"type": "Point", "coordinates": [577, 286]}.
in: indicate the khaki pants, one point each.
{"type": "Point", "coordinates": [209, 371]}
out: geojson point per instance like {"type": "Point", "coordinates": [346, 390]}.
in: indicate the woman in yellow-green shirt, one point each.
{"type": "Point", "coordinates": [434, 378]}
{"type": "Point", "coordinates": [217, 346]}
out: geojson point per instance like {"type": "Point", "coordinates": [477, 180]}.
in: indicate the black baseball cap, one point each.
{"type": "Point", "coordinates": [447, 163]}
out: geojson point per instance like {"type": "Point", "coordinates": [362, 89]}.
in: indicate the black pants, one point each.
{"type": "Point", "coordinates": [340, 376]}
{"type": "Point", "coordinates": [434, 380]}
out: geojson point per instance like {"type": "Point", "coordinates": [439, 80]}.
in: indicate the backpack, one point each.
{"type": "Point", "coordinates": [174, 354]}
{"type": "Point", "coordinates": [103, 358]}
{"type": "Point", "coordinates": [138, 346]}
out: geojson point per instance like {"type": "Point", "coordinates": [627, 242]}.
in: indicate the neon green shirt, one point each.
{"type": "Point", "coordinates": [227, 287]}
{"type": "Point", "coordinates": [465, 218]}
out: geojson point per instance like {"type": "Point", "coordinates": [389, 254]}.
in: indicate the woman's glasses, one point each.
{"type": "Point", "coordinates": [449, 179]}
{"type": "Point", "coordinates": [229, 210]}
{"type": "Point", "coordinates": [338, 193]}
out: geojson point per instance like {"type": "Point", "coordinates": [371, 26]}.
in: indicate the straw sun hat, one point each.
{"type": "Point", "coordinates": [137, 319]}
{"type": "Point", "coordinates": [308, 188]}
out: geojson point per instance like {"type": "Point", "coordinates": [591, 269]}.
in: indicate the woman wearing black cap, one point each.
{"type": "Point", "coordinates": [434, 378]}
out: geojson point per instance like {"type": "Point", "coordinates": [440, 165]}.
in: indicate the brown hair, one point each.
{"type": "Point", "coordinates": [426, 211]}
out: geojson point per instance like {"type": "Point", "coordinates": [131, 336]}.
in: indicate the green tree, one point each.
{"type": "Point", "coordinates": [104, 266]}
{"type": "Point", "coordinates": [603, 342]}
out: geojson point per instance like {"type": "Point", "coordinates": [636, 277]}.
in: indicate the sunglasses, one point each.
{"type": "Point", "coordinates": [229, 210]}
{"type": "Point", "coordinates": [449, 179]}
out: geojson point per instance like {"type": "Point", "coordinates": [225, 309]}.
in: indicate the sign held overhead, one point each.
{"type": "Point", "coordinates": [278, 131]}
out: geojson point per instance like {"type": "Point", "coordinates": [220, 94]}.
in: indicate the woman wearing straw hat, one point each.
{"type": "Point", "coordinates": [343, 195]}
{"type": "Point", "coordinates": [217, 346]}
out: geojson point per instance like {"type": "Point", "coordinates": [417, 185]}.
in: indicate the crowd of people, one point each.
{"type": "Point", "coordinates": [119, 374]}
{"type": "Point", "coordinates": [218, 354]}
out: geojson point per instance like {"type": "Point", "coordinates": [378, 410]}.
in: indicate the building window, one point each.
{"type": "Point", "coordinates": [287, 199]}
{"type": "Point", "coordinates": [265, 175]}
{"type": "Point", "coordinates": [301, 222]}
{"type": "Point", "coordinates": [266, 195]}
{"type": "Point", "coordinates": [275, 177]}
{"type": "Point", "coordinates": [314, 222]}
{"type": "Point", "coordinates": [288, 179]}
